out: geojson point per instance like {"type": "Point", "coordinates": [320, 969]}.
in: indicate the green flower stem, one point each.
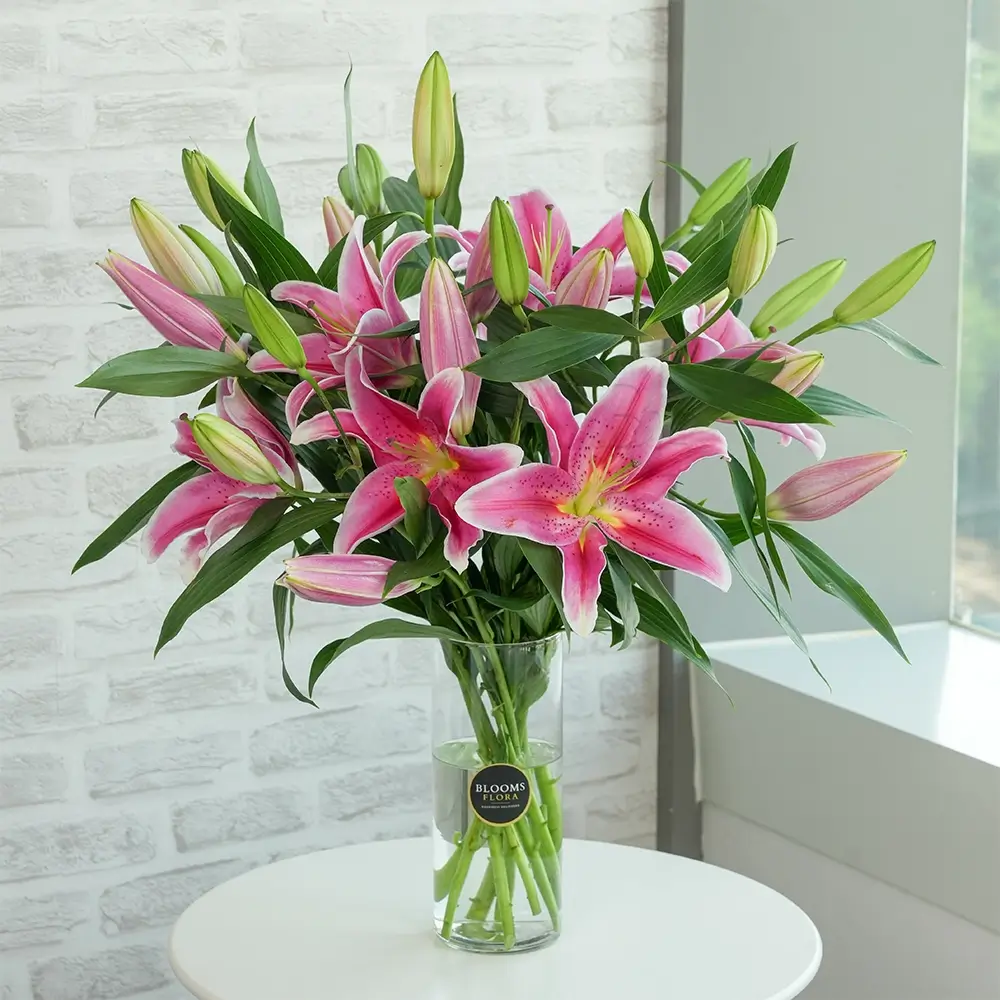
{"type": "Point", "coordinates": [470, 844]}
{"type": "Point", "coordinates": [637, 300]}
{"type": "Point", "coordinates": [676, 236]}
{"type": "Point", "coordinates": [503, 903]}
{"type": "Point", "coordinates": [276, 386]}
{"type": "Point", "coordinates": [544, 886]}
{"type": "Point", "coordinates": [545, 845]}
{"type": "Point", "coordinates": [550, 799]}
{"type": "Point", "coordinates": [429, 225]}
{"type": "Point", "coordinates": [482, 901]}
{"type": "Point", "coordinates": [821, 327]}
{"type": "Point", "coordinates": [524, 869]}
{"type": "Point", "coordinates": [445, 876]}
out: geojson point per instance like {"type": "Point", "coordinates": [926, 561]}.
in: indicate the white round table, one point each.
{"type": "Point", "coordinates": [355, 924]}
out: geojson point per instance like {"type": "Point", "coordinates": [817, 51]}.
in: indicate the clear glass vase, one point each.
{"type": "Point", "coordinates": [497, 739]}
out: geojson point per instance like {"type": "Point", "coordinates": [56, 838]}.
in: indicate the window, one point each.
{"type": "Point", "coordinates": [977, 537]}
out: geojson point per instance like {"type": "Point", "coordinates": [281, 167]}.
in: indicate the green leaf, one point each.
{"type": "Point", "coordinates": [587, 320]}
{"type": "Point", "coordinates": [136, 515]}
{"type": "Point", "coordinates": [449, 204]}
{"type": "Point", "coordinates": [232, 310]}
{"type": "Point", "coordinates": [647, 578]}
{"type": "Point", "coordinates": [268, 530]}
{"type": "Point", "coordinates": [547, 564]}
{"type": "Point", "coordinates": [726, 222]}
{"type": "Point", "coordinates": [658, 280]}
{"type": "Point", "coordinates": [273, 257]}
{"type": "Point", "coordinates": [541, 352]}
{"type": "Point", "coordinates": [836, 404]}
{"type": "Point", "coordinates": [746, 504]}
{"type": "Point", "coordinates": [413, 495]}
{"type": "Point", "coordinates": [836, 581]}
{"type": "Point", "coordinates": [409, 278]}
{"type": "Point", "coordinates": [770, 186]}
{"type": "Point", "coordinates": [628, 610]}
{"type": "Point", "coordinates": [687, 175]}
{"type": "Point", "coordinates": [258, 186]}
{"type": "Point", "coordinates": [759, 478]}
{"type": "Point", "coordinates": [388, 628]}
{"type": "Point", "coordinates": [742, 395]}
{"type": "Point", "coordinates": [246, 270]}
{"type": "Point", "coordinates": [895, 340]}
{"type": "Point", "coordinates": [706, 276]}
{"type": "Point", "coordinates": [656, 620]}
{"type": "Point", "coordinates": [282, 600]}
{"type": "Point", "coordinates": [518, 602]}
{"type": "Point", "coordinates": [431, 563]}
{"type": "Point", "coordinates": [327, 272]}
{"type": "Point", "coordinates": [106, 398]}
{"type": "Point", "coordinates": [164, 371]}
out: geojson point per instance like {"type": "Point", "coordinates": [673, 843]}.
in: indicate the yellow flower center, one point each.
{"type": "Point", "coordinates": [547, 253]}
{"type": "Point", "coordinates": [433, 459]}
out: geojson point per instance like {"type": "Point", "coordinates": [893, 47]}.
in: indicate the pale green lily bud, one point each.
{"type": "Point", "coordinates": [232, 451]}
{"type": "Point", "coordinates": [433, 128]}
{"type": "Point", "coordinates": [799, 372]}
{"type": "Point", "coordinates": [796, 298]}
{"type": "Point", "coordinates": [371, 174]}
{"type": "Point", "coordinates": [344, 183]}
{"type": "Point", "coordinates": [232, 280]}
{"type": "Point", "coordinates": [196, 168]}
{"type": "Point", "coordinates": [173, 255]}
{"type": "Point", "coordinates": [273, 330]}
{"type": "Point", "coordinates": [507, 256]}
{"type": "Point", "coordinates": [720, 192]}
{"type": "Point", "coordinates": [640, 246]}
{"type": "Point", "coordinates": [754, 251]}
{"type": "Point", "coordinates": [880, 292]}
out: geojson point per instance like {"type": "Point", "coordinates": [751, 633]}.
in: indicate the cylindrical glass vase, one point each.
{"type": "Point", "coordinates": [497, 743]}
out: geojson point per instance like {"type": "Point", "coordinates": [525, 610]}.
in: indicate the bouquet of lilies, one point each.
{"type": "Point", "coordinates": [500, 462]}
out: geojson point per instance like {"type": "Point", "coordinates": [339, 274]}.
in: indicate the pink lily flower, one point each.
{"type": "Point", "coordinates": [588, 281]}
{"type": "Point", "coordinates": [447, 339]}
{"type": "Point", "coordinates": [337, 218]}
{"type": "Point", "coordinates": [830, 487]}
{"type": "Point", "coordinates": [410, 442]}
{"type": "Point", "coordinates": [478, 268]}
{"type": "Point", "coordinates": [175, 315]}
{"type": "Point", "coordinates": [352, 581]}
{"type": "Point", "coordinates": [211, 505]}
{"type": "Point", "coordinates": [608, 478]}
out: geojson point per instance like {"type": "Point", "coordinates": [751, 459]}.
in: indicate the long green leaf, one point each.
{"type": "Point", "coordinates": [541, 352]}
{"type": "Point", "coordinates": [258, 185]}
{"type": "Point", "coordinates": [164, 371]}
{"type": "Point", "coordinates": [431, 563]}
{"type": "Point", "coordinates": [586, 320]}
{"type": "Point", "coordinates": [656, 621]}
{"type": "Point", "coordinates": [282, 601]}
{"type": "Point", "coordinates": [759, 478]}
{"type": "Point", "coordinates": [273, 257]}
{"type": "Point", "coordinates": [246, 270]}
{"type": "Point", "coordinates": [268, 530]}
{"type": "Point", "coordinates": [770, 186]}
{"type": "Point", "coordinates": [659, 278]}
{"type": "Point", "coordinates": [742, 395]}
{"type": "Point", "coordinates": [686, 174]}
{"type": "Point", "coordinates": [136, 515]}
{"type": "Point", "coordinates": [726, 222]}
{"type": "Point", "coordinates": [703, 279]}
{"type": "Point", "coordinates": [835, 404]}
{"type": "Point", "coordinates": [895, 340]}
{"type": "Point", "coordinates": [327, 272]}
{"type": "Point", "coordinates": [628, 610]}
{"type": "Point", "coordinates": [232, 310]}
{"type": "Point", "coordinates": [746, 504]}
{"type": "Point", "coordinates": [389, 628]}
{"type": "Point", "coordinates": [834, 580]}
{"type": "Point", "coordinates": [648, 579]}
{"type": "Point", "coordinates": [449, 204]}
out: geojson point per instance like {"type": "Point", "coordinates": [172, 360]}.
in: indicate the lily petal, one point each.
{"type": "Point", "coordinates": [583, 564]}
{"type": "Point", "coordinates": [391, 259]}
{"type": "Point", "coordinates": [187, 508]}
{"type": "Point", "coordinates": [547, 244]}
{"type": "Point", "coordinates": [387, 422]}
{"type": "Point", "coordinates": [528, 502]}
{"type": "Point", "coordinates": [554, 410]}
{"type": "Point", "coordinates": [804, 433]}
{"type": "Point", "coordinates": [303, 392]}
{"type": "Point", "coordinates": [460, 536]}
{"type": "Point", "coordinates": [440, 400]}
{"type": "Point", "coordinates": [186, 445]}
{"type": "Point", "coordinates": [321, 427]}
{"type": "Point", "coordinates": [624, 425]}
{"type": "Point", "coordinates": [373, 507]}
{"type": "Point", "coordinates": [318, 348]}
{"type": "Point", "coordinates": [588, 281]}
{"type": "Point", "coordinates": [667, 533]}
{"type": "Point", "coordinates": [672, 457]}
{"type": "Point", "coordinates": [611, 236]}
{"type": "Point", "coordinates": [479, 268]}
{"type": "Point", "coordinates": [333, 313]}
{"type": "Point", "coordinates": [357, 283]}
{"type": "Point", "coordinates": [623, 285]}
{"type": "Point", "coordinates": [354, 581]}
{"type": "Point", "coordinates": [234, 405]}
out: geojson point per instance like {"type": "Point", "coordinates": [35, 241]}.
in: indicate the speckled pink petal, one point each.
{"type": "Point", "coordinates": [583, 564]}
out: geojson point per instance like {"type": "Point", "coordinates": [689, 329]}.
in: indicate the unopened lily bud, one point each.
{"type": "Point", "coordinates": [371, 174]}
{"type": "Point", "coordinates": [640, 246]}
{"type": "Point", "coordinates": [232, 280]}
{"type": "Point", "coordinates": [351, 580]}
{"type": "Point", "coordinates": [588, 282]}
{"type": "Point", "coordinates": [754, 251]}
{"type": "Point", "coordinates": [346, 188]}
{"type": "Point", "coordinates": [720, 192]}
{"type": "Point", "coordinates": [507, 256]}
{"type": "Point", "coordinates": [433, 128]}
{"type": "Point", "coordinates": [880, 292]}
{"type": "Point", "coordinates": [796, 298]}
{"type": "Point", "coordinates": [232, 451]}
{"type": "Point", "coordinates": [196, 169]}
{"type": "Point", "coordinates": [273, 330]}
{"type": "Point", "coordinates": [799, 372]}
{"type": "Point", "coordinates": [828, 488]}
{"type": "Point", "coordinates": [173, 255]}
{"type": "Point", "coordinates": [337, 218]}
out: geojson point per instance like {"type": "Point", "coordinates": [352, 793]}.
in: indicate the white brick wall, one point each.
{"type": "Point", "coordinates": [128, 787]}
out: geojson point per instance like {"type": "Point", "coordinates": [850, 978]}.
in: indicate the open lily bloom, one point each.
{"type": "Point", "coordinates": [211, 505]}
{"type": "Point", "coordinates": [608, 479]}
{"type": "Point", "coordinates": [410, 442]}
